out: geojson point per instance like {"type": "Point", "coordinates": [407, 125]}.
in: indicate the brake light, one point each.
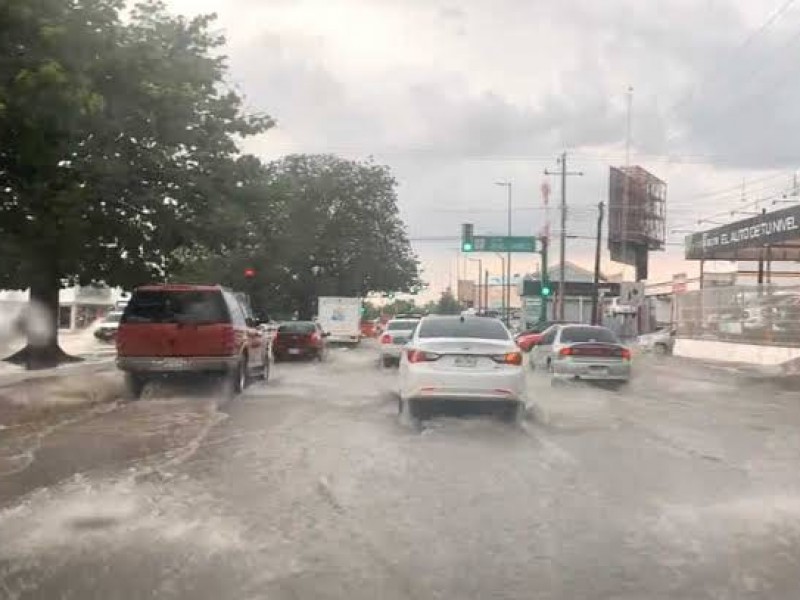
{"type": "Point", "coordinates": [228, 340]}
{"type": "Point", "coordinates": [418, 356]}
{"type": "Point", "coordinates": [564, 352]}
{"type": "Point", "coordinates": [509, 358]}
{"type": "Point", "coordinates": [626, 354]}
{"type": "Point", "coordinates": [386, 338]}
{"type": "Point", "coordinates": [314, 337]}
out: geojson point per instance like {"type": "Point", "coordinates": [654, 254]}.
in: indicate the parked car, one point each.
{"type": "Point", "coordinates": [395, 338]}
{"type": "Point", "coordinates": [661, 341]}
{"type": "Point", "coordinates": [585, 352]}
{"type": "Point", "coordinates": [529, 338]}
{"type": "Point", "coordinates": [462, 358]}
{"type": "Point", "coordinates": [300, 339]}
{"type": "Point", "coordinates": [169, 329]}
{"type": "Point", "coordinates": [106, 331]}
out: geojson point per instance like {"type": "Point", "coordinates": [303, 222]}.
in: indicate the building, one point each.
{"type": "Point", "coordinates": [79, 306]}
{"type": "Point", "coordinates": [579, 291]}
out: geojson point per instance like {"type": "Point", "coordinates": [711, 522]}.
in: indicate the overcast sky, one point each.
{"type": "Point", "coordinates": [455, 95]}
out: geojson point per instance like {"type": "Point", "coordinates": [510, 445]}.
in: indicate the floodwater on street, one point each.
{"type": "Point", "coordinates": [684, 485]}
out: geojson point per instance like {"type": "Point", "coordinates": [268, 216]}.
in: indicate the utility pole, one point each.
{"type": "Point", "coordinates": [544, 278]}
{"type": "Point", "coordinates": [486, 291]}
{"type": "Point", "coordinates": [563, 240]}
{"type": "Point", "coordinates": [480, 272]}
{"type": "Point", "coordinates": [596, 294]}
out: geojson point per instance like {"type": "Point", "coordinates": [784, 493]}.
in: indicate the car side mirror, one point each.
{"type": "Point", "coordinates": [326, 335]}
{"type": "Point", "coordinates": [251, 322]}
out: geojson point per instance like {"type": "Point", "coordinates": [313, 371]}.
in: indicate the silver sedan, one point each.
{"type": "Point", "coordinates": [583, 352]}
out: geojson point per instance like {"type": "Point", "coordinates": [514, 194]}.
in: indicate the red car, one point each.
{"type": "Point", "coordinates": [168, 329]}
{"type": "Point", "coordinates": [528, 339]}
{"type": "Point", "coordinates": [299, 339]}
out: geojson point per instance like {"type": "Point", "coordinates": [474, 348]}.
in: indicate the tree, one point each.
{"type": "Point", "coordinates": [318, 225]}
{"type": "Point", "coordinates": [399, 307]}
{"type": "Point", "coordinates": [448, 305]}
{"type": "Point", "coordinates": [118, 138]}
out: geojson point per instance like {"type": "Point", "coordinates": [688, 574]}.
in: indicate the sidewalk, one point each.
{"type": "Point", "coordinates": [98, 356]}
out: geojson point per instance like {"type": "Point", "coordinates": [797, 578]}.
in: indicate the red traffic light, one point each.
{"type": "Point", "coordinates": [249, 272]}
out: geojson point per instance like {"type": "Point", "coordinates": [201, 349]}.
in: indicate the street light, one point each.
{"type": "Point", "coordinates": [502, 276]}
{"type": "Point", "coordinates": [507, 289]}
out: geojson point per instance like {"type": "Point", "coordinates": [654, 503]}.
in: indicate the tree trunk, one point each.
{"type": "Point", "coordinates": [41, 324]}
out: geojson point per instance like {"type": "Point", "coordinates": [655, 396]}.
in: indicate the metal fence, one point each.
{"type": "Point", "coordinates": [765, 314]}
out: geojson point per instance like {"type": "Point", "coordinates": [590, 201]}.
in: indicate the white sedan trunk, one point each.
{"type": "Point", "coordinates": [462, 368]}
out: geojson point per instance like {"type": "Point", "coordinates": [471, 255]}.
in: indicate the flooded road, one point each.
{"type": "Point", "coordinates": [685, 485]}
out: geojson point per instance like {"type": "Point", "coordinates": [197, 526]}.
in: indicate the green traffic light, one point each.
{"type": "Point", "coordinates": [466, 247]}
{"type": "Point", "coordinates": [545, 291]}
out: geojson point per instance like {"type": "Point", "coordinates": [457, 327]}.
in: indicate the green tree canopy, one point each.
{"type": "Point", "coordinates": [316, 225]}
{"type": "Point", "coordinates": [118, 138]}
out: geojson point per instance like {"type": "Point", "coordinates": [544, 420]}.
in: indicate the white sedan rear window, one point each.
{"type": "Point", "coordinates": [470, 327]}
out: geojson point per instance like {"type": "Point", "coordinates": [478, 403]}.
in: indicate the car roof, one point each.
{"type": "Point", "coordinates": [403, 320]}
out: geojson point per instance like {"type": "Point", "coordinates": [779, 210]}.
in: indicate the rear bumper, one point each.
{"type": "Point", "coordinates": [338, 338]}
{"type": "Point", "coordinates": [177, 364]}
{"type": "Point", "coordinates": [507, 385]}
{"type": "Point", "coordinates": [295, 351]}
{"type": "Point", "coordinates": [592, 371]}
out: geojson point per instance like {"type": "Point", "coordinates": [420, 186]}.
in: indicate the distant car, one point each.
{"type": "Point", "coordinates": [462, 358]}
{"type": "Point", "coordinates": [529, 338]}
{"type": "Point", "coordinates": [300, 339]}
{"type": "Point", "coordinates": [169, 329]}
{"type": "Point", "coordinates": [584, 352]}
{"type": "Point", "coordinates": [106, 331]}
{"type": "Point", "coordinates": [395, 337]}
{"type": "Point", "coordinates": [661, 341]}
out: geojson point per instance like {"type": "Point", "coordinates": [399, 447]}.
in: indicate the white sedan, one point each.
{"type": "Point", "coordinates": [462, 358]}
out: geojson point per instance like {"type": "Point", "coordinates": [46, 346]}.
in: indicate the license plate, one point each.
{"type": "Point", "coordinates": [294, 350]}
{"type": "Point", "coordinates": [599, 370]}
{"type": "Point", "coordinates": [466, 361]}
{"type": "Point", "coordinates": [174, 363]}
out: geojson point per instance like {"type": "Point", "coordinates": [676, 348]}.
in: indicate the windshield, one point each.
{"type": "Point", "coordinates": [294, 203]}
{"type": "Point", "coordinates": [570, 335]}
{"type": "Point", "coordinates": [470, 327]}
{"type": "Point", "coordinates": [298, 327]}
{"type": "Point", "coordinates": [168, 306]}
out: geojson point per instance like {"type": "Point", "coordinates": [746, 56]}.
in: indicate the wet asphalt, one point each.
{"type": "Point", "coordinates": [684, 485]}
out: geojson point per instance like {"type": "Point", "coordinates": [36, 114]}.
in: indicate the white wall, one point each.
{"type": "Point", "coordinates": [735, 353]}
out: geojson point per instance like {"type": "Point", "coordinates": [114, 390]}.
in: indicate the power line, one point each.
{"type": "Point", "coordinates": [776, 14]}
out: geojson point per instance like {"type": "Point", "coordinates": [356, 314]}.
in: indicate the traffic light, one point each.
{"type": "Point", "coordinates": [545, 291]}
{"type": "Point", "coordinates": [467, 237]}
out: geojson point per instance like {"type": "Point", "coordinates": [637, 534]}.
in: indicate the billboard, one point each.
{"type": "Point", "coordinates": [748, 239]}
{"type": "Point", "coordinates": [637, 212]}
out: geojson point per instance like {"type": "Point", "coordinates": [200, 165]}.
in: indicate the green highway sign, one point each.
{"type": "Point", "coordinates": [503, 243]}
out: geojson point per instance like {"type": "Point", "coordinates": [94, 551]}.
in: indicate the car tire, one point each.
{"type": "Point", "coordinates": [661, 350]}
{"type": "Point", "coordinates": [134, 385]}
{"type": "Point", "coordinates": [239, 376]}
{"type": "Point", "coordinates": [514, 413]}
{"type": "Point", "coordinates": [265, 369]}
{"type": "Point", "coordinates": [388, 362]}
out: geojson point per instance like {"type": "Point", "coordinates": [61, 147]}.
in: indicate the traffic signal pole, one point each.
{"type": "Point", "coordinates": [544, 279]}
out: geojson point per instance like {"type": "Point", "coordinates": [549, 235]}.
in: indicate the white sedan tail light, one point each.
{"type": "Point", "coordinates": [418, 356]}
{"type": "Point", "coordinates": [509, 358]}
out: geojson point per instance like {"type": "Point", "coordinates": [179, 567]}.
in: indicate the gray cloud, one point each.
{"type": "Point", "coordinates": [508, 86]}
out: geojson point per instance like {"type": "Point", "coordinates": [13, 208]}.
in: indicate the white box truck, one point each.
{"type": "Point", "coordinates": [340, 318]}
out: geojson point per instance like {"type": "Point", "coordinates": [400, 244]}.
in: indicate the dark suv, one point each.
{"type": "Point", "coordinates": [169, 329]}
